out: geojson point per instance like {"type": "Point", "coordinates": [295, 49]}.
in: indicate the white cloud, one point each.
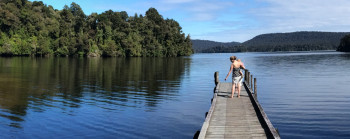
{"type": "Point", "coordinates": [240, 20]}
{"type": "Point", "coordinates": [304, 15]}
{"type": "Point", "coordinates": [236, 20]}
{"type": "Point", "coordinates": [269, 16]}
{"type": "Point", "coordinates": [195, 10]}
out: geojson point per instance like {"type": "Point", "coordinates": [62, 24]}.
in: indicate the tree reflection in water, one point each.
{"type": "Point", "coordinates": [38, 84]}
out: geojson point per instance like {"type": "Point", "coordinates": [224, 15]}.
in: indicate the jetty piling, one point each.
{"type": "Point", "coordinates": [251, 81]}
{"type": "Point", "coordinates": [255, 92]}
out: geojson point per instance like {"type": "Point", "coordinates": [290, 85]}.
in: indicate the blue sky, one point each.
{"type": "Point", "coordinates": [233, 20]}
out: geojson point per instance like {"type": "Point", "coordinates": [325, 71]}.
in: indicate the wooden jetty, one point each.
{"type": "Point", "coordinates": [241, 118]}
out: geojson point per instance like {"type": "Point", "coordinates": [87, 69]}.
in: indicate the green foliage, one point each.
{"type": "Point", "coordinates": [94, 51]}
{"type": "Point", "coordinates": [133, 45]}
{"type": "Point", "coordinates": [62, 51]}
{"type": "Point", "coordinates": [33, 28]}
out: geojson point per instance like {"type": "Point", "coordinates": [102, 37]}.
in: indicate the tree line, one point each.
{"type": "Point", "coordinates": [295, 41]}
{"type": "Point", "coordinates": [200, 45]}
{"type": "Point", "coordinates": [241, 48]}
{"type": "Point", "coordinates": [33, 28]}
{"type": "Point", "coordinates": [344, 45]}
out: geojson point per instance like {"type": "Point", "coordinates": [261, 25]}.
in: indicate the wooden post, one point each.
{"type": "Point", "coordinates": [248, 78]}
{"type": "Point", "coordinates": [255, 92]}
{"type": "Point", "coordinates": [245, 75]}
{"type": "Point", "coordinates": [216, 78]}
{"type": "Point", "coordinates": [251, 80]}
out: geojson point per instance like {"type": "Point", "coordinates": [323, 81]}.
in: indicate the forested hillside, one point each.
{"type": "Point", "coordinates": [323, 39]}
{"type": "Point", "coordinates": [200, 45]}
{"type": "Point", "coordinates": [344, 45]}
{"type": "Point", "coordinates": [33, 28]}
{"type": "Point", "coordinates": [296, 41]}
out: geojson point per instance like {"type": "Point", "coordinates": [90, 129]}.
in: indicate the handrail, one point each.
{"type": "Point", "coordinates": [260, 111]}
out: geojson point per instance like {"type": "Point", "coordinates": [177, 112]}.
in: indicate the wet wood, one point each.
{"type": "Point", "coordinates": [255, 92]}
{"type": "Point", "coordinates": [216, 77]}
{"type": "Point", "coordinates": [251, 81]}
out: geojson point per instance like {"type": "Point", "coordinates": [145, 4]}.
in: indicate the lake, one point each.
{"type": "Point", "coordinates": [305, 95]}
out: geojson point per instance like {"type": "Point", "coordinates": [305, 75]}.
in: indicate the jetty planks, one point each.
{"type": "Point", "coordinates": [233, 117]}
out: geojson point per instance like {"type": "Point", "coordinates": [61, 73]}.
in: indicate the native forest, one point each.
{"type": "Point", "coordinates": [36, 29]}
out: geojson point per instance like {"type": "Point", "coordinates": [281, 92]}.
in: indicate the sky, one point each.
{"type": "Point", "coordinates": [232, 20]}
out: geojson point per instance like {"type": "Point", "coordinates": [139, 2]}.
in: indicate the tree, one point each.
{"type": "Point", "coordinates": [344, 45]}
{"type": "Point", "coordinates": [153, 15]}
{"type": "Point", "coordinates": [33, 28]}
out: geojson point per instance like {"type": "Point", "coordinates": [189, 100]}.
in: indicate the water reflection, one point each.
{"type": "Point", "coordinates": [38, 84]}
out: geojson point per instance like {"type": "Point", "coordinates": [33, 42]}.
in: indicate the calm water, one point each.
{"type": "Point", "coordinates": [305, 95]}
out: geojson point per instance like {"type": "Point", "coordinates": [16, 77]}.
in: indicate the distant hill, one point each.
{"type": "Point", "coordinates": [295, 41]}
{"type": "Point", "coordinates": [200, 45]}
{"type": "Point", "coordinates": [344, 45]}
{"type": "Point", "coordinates": [297, 38]}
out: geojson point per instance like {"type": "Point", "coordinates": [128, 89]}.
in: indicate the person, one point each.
{"type": "Point", "coordinates": [241, 73]}
{"type": "Point", "coordinates": [236, 75]}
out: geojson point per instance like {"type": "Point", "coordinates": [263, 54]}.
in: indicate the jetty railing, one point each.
{"type": "Point", "coordinates": [253, 93]}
